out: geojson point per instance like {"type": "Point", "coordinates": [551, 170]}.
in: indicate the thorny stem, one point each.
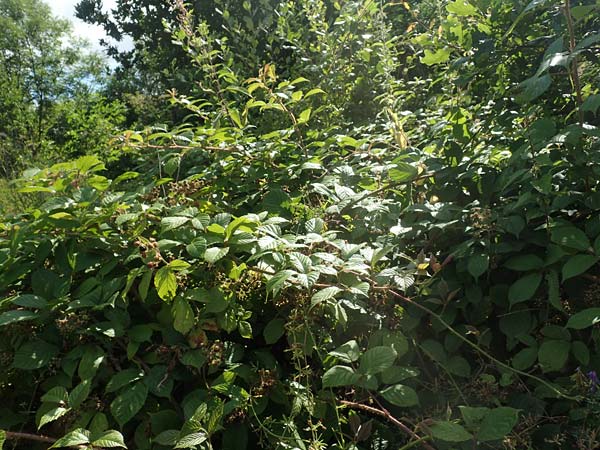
{"type": "Point", "coordinates": [13, 435]}
{"type": "Point", "coordinates": [386, 415]}
{"type": "Point", "coordinates": [481, 350]}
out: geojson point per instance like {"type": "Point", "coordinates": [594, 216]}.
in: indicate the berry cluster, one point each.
{"type": "Point", "coordinates": [215, 354]}
{"type": "Point", "coordinates": [149, 250]}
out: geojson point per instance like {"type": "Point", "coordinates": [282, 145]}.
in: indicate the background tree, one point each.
{"type": "Point", "coordinates": [41, 67]}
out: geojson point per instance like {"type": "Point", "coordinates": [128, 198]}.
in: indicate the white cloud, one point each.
{"type": "Point", "coordinates": [92, 33]}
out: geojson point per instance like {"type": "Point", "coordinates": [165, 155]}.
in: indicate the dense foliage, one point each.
{"type": "Point", "coordinates": [388, 239]}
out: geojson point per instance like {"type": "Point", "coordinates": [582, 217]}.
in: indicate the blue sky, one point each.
{"type": "Point", "coordinates": [66, 9]}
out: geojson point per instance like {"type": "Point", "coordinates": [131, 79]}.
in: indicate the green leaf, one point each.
{"type": "Point", "coordinates": [396, 374]}
{"type": "Point", "coordinates": [571, 237]}
{"type": "Point", "coordinates": [243, 224]}
{"type": "Point", "coordinates": [591, 104]}
{"type": "Point", "coordinates": [129, 403]}
{"type": "Point", "coordinates": [191, 440]}
{"type": "Point", "coordinates": [170, 223]}
{"type": "Point", "coordinates": [525, 358]}
{"type": "Point", "coordinates": [348, 352]}
{"type": "Point", "coordinates": [183, 315]}
{"type": "Point", "coordinates": [434, 350]}
{"type": "Point", "coordinates": [178, 265]}
{"type": "Point", "coordinates": [72, 439]}
{"type": "Point", "coordinates": [587, 41]}
{"type": "Point", "coordinates": [30, 301]}
{"type": "Point", "coordinates": [581, 352]}
{"type": "Point", "coordinates": [497, 423]}
{"type": "Point", "coordinates": [402, 172]}
{"type": "Point", "coordinates": [197, 247]}
{"type": "Point", "coordinates": [89, 162]}
{"type": "Point", "coordinates": [34, 355]}
{"type": "Point", "coordinates": [583, 11]}
{"type": "Point", "coordinates": [530, 7]}
{"type": "Point", "coordinates": [123, 378]}
{"type": "Point", "coordinates": [478, 265]}
{"type": "Point", "coordinates": [215, 301]}
{"type": "Point", "coordinates": [144, 285]}
{"type": "Point", "coordinates": [108, 439]}
{"type": "Point", "coordinates": [473, 416]}
{"type": "Point", "coordinates": [554, 290]}
{"type": "Point", "coordinates": [400, 395]}
{"type": "Point", "coordinates": [553, 354]}
{"type": "Point", "coordinates": [140, 333]}
{"type": "Point", "coordinates": [314, 92]}
{"type": "Point", "coordinates": [98, 424]}
{"type": "Point", "coordinates": [450, 432]}
{"type": "Point", "coordinates": [457, 365]}
{"type": "Point", "coordinates": [440, 56]}
{"type": "Point", "coordinates": [533, 87]}
{"type": "Point", "coordinates": [377, 359]}
{"type": "Point", "coordinates": [79, 394]}
{"type": "Point", "coordinates": [524, 263]}
{"type": "Point", "coordinates": [235, 116]}
{"type": "Point", "coordinates": [397, 341]}
{"type": "Point", "coordinates": [90, 362]}
{"type": "Point", "coordinates": [165, 282]}
{"type": "Point", "coordinates": [194, 358]}
{"type": "Point", "coordinates": [57, 394]}
{"type": "Point", "coordinates": [524, 288]}
{"type": "Point", "coordinates": [213, 254]}
{"type": "Point", "coordinates": [52, 415]}
{"type": "Point", "coordinates": [2, 438]}
{"type": "Point", "coordinates": [276, 282]}
{"type": "Point", "coordinates": [339, 376]}
{"type": "Point", "coordinates": [323, 295]}
{"type": "Point", "coordinates": [99, 182]}
{"type": "Point", "coordinates": [584, 319]}
{"type": "Point", "coordinates": [245, 329]}
{"type": "Point", "coordinates": [304, 116]}
{"type": "Point", "coordinates": [274, 330]}
{"type": "Point", "coordinates": [578, 264]}
{"type": "Point", "coordinates": [16, 316]}
{"type": "Point", "coordinates": [461, 8]}
{"type": "Point", "coordinates": [167, 437]}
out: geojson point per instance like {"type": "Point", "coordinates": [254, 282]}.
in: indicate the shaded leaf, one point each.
{"type": "Point", "coordinates": [450, 432]}
{"type": "Point", "coordinates": [400, 395]}
{"type": "Point", "coordinates": [129, 403]}
{"type": "Point", "coordinates": [584, 319]}
{"type": "Point", "coordinates": [377, 359]}
{"type": "Point", "coordinates": [339, 376]}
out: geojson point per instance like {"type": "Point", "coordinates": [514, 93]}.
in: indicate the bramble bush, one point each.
{"type": "Point", "coordinates": [271, 274]}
